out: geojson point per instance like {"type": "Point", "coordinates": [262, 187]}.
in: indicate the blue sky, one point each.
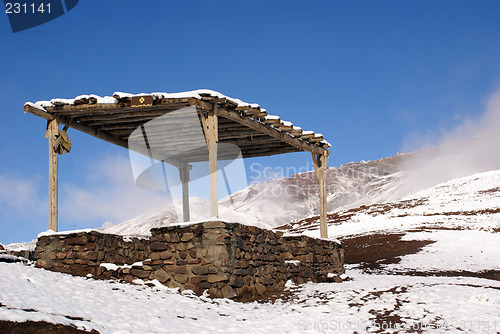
{"type": "Point", "coordinates": [375, 77]}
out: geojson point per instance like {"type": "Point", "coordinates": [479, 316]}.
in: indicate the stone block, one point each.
{"type": "Point", "coordinates": [228, 292]}
{"type": "Point", "coordinates": [220, 277]}
{"type": "Point", "coordinates": [196, 280]}
{"type": "Point", "coordinates": [158, 246]}
{"type": "Point", "coordinates": [200, 270]}
{"type": "Point", "coordinates": [170, 261]}
{"type": "Point", "coordinates": [297, 251]}
{"type": "Point", "coordinates": [172, 237]}
{"type": "Point", "coordinates": [214, 224]}
{"type": "Point", "coordinates": [260, 289]}
{"type": "Point", "coordinates": [181, 278]}
{"type": "Point", "coordinates": [186, 236]}
{"type": "Point", "coordinates": [204, 285]}
{"type": "Point", "coordinates": [165, 255]}
{"type": "Point", "coordinates": [180, 270]}
{"type": "Point", "coordinates": [140, 273]}
{"type": "Point", "coordinates": [77, 240]}
{"type": "Point", "coordinates": [237, 282]}
{"type": "Point", "coordinates": [161, 275]}
{"type": "Point", "coordinates": [241, 272]}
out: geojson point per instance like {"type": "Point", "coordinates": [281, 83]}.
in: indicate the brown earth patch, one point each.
{"type": "Point", "coordinates": [336, 218]}
{"type": "Point", "coordinates": [465, 213]}
{"type": "Point", "coordinates": [372, 251]}
{"type": "Point", "coordinates": [487, 274]}
{"type": "Point", "coordinates": [490, 191]}
{"type": "Point", "coordinates": [38, 327]}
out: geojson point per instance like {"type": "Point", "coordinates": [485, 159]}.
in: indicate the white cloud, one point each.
{"type": "Point", "coordinates": [17, 194]}
{"type": "Point", "coordinates": [109, 194]}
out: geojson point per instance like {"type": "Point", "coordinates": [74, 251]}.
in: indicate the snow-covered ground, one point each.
{"type": "Point", "coordinates": [365, 304]}
{"type": "Point", "coordinates": [430, 290]}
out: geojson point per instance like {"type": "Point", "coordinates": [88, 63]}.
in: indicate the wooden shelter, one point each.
{"type": "Point", "coordinates": [223, 119]}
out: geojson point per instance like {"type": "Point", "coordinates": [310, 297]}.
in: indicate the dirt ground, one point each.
{"type": "Point", "coordinates": [38, 327]}
{"type": "Point", "coordinates": [371, 252]}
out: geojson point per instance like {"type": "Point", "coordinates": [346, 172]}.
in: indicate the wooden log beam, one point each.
{"type": "Point", "coordinates": [80, 127]}
{"type": "Point", "coordinates": [305, 146]}
{"type": "Point", "coordinates": [117, 123]}
{"type": "Point", "coordinates": [245, 153]}
{"type": "Point", "coordinates": [119, 116]}
{"type": "Point", "coordinates": [306, 136]}
{"type": "Point", "coordinates": [316, 139]}
{"type": "Point", "coordinates": [70, 111]}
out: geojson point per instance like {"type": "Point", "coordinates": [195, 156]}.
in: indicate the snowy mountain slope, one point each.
{"type": "Point", "coordinates": [352, 185]}
{"type": "Point", "coordinates": [469, 202]}
{"type": "Point", "coordinates": [199, 207]}
{"type": "Point", "coordinates": [280, 201]}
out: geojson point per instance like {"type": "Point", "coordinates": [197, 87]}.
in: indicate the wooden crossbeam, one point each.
{"type": "Point", "coordinates": [305, 146]}
{"type": "Point", "coordinates": [80, 127]}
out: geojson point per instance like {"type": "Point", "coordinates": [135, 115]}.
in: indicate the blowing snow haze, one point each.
{"type": "Point", "coordinates": [470, 148]}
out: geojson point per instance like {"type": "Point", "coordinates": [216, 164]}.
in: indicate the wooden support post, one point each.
{"type": "Point", "coordinates": [184, 174]}
{"type": "Point", "coordinates": [320, 167]}
{"type": "Point", "coordinates": [212, 161]}
{"type": "Point", "coordinates": [210, 128]}
{"type": "Point", "coordinates": [52, 131]}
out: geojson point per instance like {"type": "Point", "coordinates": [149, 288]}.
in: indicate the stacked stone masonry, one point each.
{"type": "Point", "coordinates": [228, 260]}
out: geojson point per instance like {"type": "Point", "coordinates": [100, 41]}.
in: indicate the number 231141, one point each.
{"type": "Point", "coordinates": [26, 8]}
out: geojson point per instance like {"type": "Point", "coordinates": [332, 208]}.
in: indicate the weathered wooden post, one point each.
{"type": "Point", "coordinates": [212, 160]}
{"type": "Point", "coordinates": [320, 168]}
{"type": "Point", "coordinates": [210, 128]}
{"type": "Point", "coordinates": [52, 131]}
{"type": "Point", "coordinates": [184, 175]}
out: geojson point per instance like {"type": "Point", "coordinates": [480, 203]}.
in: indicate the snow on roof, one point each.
{"type": "Point", "coordinates": [200, 94]}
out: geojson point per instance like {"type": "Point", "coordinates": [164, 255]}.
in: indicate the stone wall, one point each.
{"type": "Point", "coordinates": [82, 253]}
{"type": "Point", "coordinates": [227, 259]}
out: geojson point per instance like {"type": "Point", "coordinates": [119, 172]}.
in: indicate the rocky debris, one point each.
{"type": "Point", "coordinates": [22, 255]}
{"type": "Point", "coordinates": [229, 260]}
{"type": "Point", "coordinates": [11, 258]}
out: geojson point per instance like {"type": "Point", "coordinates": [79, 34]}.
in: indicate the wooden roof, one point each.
{"type": "Point", "coordinates": [114, 119]}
